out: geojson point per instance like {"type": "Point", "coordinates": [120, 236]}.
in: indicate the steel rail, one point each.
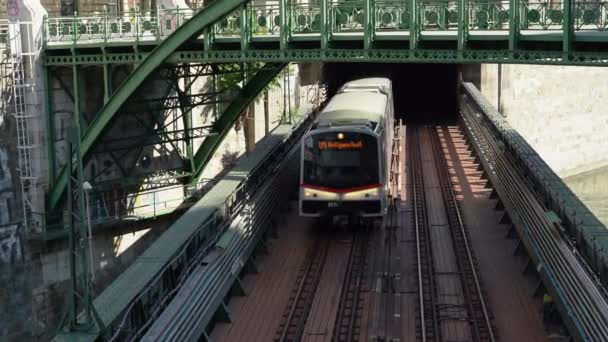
{"type": "Point", "coordinates": [451, 203]}
{"type": "Point", "coordinates": [305, 292]}
{"type": "Point", "coordinates": [584, 231]}
{"type": "Point", "coordinates": [351, 289]}
{"type": "Point", "coordinates": [579, 299]}
{"type": "Point", "coordinates": [232, 206]}
{"type": "Point", "coordinates": [213, 281]}
{"type": "Point", "coordinates": [418, 256]}
{"type": "Point", "coordinates": [218, 275]}
{"type": "Point", "coordinates": [423, 241]}
{"type": "Point", "coordinates": [535, 220]}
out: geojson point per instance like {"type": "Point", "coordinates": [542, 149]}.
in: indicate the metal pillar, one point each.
{"type": "Point", "coordinates": [50, 126]}
{"type": "Point", "coordinates": [81, 315]}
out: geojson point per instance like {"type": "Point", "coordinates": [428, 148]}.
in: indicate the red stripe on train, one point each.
{"type": "Point", "coordinates": [341, 191]}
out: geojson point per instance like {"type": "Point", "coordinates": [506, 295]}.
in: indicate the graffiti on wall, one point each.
{"type": "Point", "coordinates": [10, 244]}
{"type": "Point", "coordinates": [12, 9]}
{"type": "Point", "coordinates": [10, 241]}
{"type": "Point", "coordinates": [5, 175]}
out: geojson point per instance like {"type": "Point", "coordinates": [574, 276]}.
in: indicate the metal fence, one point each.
{"type": "Point", "coordinates": [151, 302]}
{"type": "Point", "coordinates": [580, 296]}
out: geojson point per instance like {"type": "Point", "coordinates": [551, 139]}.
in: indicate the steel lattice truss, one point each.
{"type": "Point", "coordinates": [155, 125]}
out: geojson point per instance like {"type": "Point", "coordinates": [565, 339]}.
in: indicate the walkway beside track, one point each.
{"type": "Point", "coordinates": [157, 272]}
{"type": "Point", "coordinates": [202, 295]}
{"type": "Point", "coordinates": [580, 297]}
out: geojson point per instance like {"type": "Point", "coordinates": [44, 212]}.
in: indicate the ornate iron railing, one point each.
{"type": "Point", "coordinates": [342, 17]}
{"type": "Point", "coordinates": [103, 27]}
{"type": "Point", "coordinates": [591, 15]}
{"type": "Point", "coordinates": [491, 15]}
{"type": "Point", "coordinates": [391, 15]}
{"type": "Point", "coordinates": [542, 15]}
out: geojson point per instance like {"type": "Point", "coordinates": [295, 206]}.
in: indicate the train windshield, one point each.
{"type": "Point", "coordinates": [341, 160]}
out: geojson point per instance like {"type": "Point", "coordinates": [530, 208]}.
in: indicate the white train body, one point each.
{"type": "Point", "coordinates": [346, 155]}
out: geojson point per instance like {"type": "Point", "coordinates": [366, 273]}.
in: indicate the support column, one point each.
{"type": "Point", "coordinates": [186, 109]}
{"type": "Point", "coordinates": [50, 126]}
{"type": "Point", "coordinates": [323, 27]}
{"type": "Point", "coordinates": [80, 295]}
{"type": "Point", "coordinates": [206, 39]}
{"type": "Point", "coordinates": [413, 24]}
{"type": "Point", "coordinates": [107, 82]}
{"type": "Point", "coordinates": [514, 24]}
{"type": "Point", "coordinates": [76, 92]}
{"type": "Point", "coordinates": [462, 26]}
{"type": "Point", "coordinates": [266, 113]}
{"type": "Point", "coordinates": [249, 118]}
{"type": "Point", "coordinates": [216, 96]}
{"type": "Point", "coordinates": [368, 30]}
{"type": "Point", "coordinates": [245, 29]}
{"type": "Point", "coordinates": [285, 28]}
{"type": "Point", "coordinates": [568, 28]}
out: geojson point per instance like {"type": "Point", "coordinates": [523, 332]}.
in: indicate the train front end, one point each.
{"type": "Point", "coordinates": [341, 174]}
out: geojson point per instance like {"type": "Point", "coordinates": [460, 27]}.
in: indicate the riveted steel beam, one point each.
{"type": "Point", "coordinates": [514, 24]}
{"type": "Point", "coordinates": [567, 27]}
{"type": "Point", "coordinates": [50, 124]}
{"type": "Point", "coordinates": [223, 124]}
{"type": "Point", "coordinates": [187, 30]}
{"type": "Point", "coordinates": [462, 24]}
{"type": "Point", "coordinates": [413, 25]}
{"type": "Point", "coordinates": [468, 56]}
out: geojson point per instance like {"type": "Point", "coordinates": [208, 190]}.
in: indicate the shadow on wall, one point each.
{"type": "Point", "coordinates": [423, 92]}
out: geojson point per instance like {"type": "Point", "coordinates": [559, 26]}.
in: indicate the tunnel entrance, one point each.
{"type": "Point", "coordinates": [424, 93]}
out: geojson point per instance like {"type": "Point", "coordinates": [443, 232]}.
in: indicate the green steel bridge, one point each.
{"type": "Point", "coordinates": [269, 36]}
{"type": "Point", "coordinates": [560, 32]}
{"type": "Point", "coordinates": [277, 32]}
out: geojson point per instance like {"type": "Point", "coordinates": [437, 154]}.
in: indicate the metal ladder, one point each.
{"type": "Point", "coordinates": [25, 142]}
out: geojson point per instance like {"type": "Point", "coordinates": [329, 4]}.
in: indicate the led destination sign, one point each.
{"type": "Point", "coordinates": [340, 145]}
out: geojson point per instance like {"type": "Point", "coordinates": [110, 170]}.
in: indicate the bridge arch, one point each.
{"type": "Point", "coordinates": [191, 28]}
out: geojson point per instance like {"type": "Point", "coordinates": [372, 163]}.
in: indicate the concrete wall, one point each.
{"type": "Point", "coordinates": [561, 111]}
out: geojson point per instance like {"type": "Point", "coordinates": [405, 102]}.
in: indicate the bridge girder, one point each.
{"type": "Point", "coordinates": [104, 117]}
{"type": "Point", "coordinates": [223, 124]}
{"type": "Point", "coordinates": [588, 58]}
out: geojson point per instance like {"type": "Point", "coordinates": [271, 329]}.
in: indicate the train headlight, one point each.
{"type": "Point", "coordinates": [373, 193]}
{"type": "Point", "coordinates": [319, 194]}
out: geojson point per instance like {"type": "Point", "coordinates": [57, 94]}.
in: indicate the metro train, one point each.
{"type": "Point", "coordinates": [346, 154]}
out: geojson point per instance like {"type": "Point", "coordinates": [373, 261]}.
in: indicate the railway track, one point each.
{"type": "Point", "coordinates": [348, 318]}
{"type": "Point", "coordinates": [428, 322]}
{"type": "Point", "coordinates": [579, 296]}
{"type": "Point", "coordinates": [300, 301]}
{"type": "Point", "coordinates": [434, 314]}
{"type": "Point", "coordinates": [479, 316]}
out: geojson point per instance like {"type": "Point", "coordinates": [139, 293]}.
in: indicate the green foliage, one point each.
{"type": "Point", "coordinates": [235, 76]}
{"type": "Point", "coordinates": [230, 81]}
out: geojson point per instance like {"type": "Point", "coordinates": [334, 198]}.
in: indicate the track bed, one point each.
{"type": "Point", "coordinates": [326, 284]}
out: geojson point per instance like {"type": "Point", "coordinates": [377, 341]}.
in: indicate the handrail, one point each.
{"type": "Point", "coordinates": [210, 231]}
{"type": "Point", "coordinates": [581, 300]}
{"type": "Point", "coordinates": [151, 26]}
{"type": "Point", "coordinates": [216, 278]}
{"type": "Point", "coordinates": [580, 223]}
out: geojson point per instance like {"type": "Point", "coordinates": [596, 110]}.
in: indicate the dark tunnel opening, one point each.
{"type": "Point", "coordinates": [424, 93]}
